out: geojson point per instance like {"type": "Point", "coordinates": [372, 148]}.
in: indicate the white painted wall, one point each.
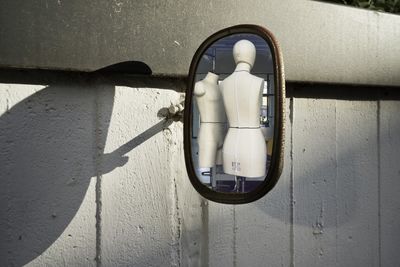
{"type": "Point", "coordinates": [91, 176]}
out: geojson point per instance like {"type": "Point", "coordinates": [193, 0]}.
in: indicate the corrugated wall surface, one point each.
{"type": "Point", "coordinates": [91, 175]}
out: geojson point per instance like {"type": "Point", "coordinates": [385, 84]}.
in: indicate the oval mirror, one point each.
{"type": "Point", "coordinates": [233, 119]}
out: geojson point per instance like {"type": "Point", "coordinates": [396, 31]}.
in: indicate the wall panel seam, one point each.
{"type": "Point", "coordinates": [291, 245]}
{"type": "Point", "coordinates": [378, 115]}
{"type": "Point", "coordinates": [98, 153]}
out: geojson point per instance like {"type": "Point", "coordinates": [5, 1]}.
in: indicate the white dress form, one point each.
{"type": "Point", "coordinates": [212, 121]}
{"type": "Point", "coordinates": [244, 149]}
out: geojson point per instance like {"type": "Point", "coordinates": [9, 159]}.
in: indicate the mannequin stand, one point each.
{"type": "Point", "coordinates": [240, 182]}
{"type": "Point", "coordinates": [212, 179]}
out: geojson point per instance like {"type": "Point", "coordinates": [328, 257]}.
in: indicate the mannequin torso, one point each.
{"type": "Point", "coordinates": [244, 150]}
{"type": "Point", "coordinates": [209, 99]}
{"type": "Point", "coordinates": [212, 121]}
{"type": "Point", "coordinates": [242, 94]}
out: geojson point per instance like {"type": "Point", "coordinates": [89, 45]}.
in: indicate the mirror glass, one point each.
{"type": "Point", "coordinates": [232, 114]}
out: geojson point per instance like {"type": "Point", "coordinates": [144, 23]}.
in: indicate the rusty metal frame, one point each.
{"type": "Point", "coordinates": [275, 168]}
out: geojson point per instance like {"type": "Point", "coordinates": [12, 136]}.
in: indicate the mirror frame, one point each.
{"type": "Point", "coordinates": [276, 165]}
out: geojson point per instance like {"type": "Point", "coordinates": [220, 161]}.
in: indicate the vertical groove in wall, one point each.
{"type": "Point", "coordinates": [98, 220]}
{"type": "Point", "coordinates": [8, 96]}
{"type": "Point", "coordinates": [336, 188]}
{"type": "Point", "coordinates": [98, 153]}
{"type": "Point", "coordinates": [205, 230]}
{"type": "Point", "coordinates": [175, 218]}
{"type": "Point", "coordinates": [7, 164]}
{"type": "Point", "coordinates": [291, 245]}
{"type": "Point", "coordinates": [178, 229]}
{"type": "Point", "coordinates": [378, 118]}
{"type": "Point", "coordinates": [234, 237]}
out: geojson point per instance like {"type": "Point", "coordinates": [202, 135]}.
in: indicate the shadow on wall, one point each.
{"type": "Point", "coordinates": [51, 144]}
{"type": "Point", "coordinates": [51, 148]}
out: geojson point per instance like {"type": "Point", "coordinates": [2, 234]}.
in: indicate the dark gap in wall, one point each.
{"type": "Point", "coordinates": [43, 77]}
{"type": "Point", "coordinates": [178, 84]}
{"type": "Point", "coordinates": [342, 91]}
{"type": "Point", "coordinates": [40, 76]}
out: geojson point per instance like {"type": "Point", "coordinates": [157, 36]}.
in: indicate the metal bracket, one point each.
{"type": "Point", "coordinates": [175, 110]}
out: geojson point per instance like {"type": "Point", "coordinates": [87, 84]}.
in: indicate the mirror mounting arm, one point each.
{"type": "Point", "coordinates": [176, 108]}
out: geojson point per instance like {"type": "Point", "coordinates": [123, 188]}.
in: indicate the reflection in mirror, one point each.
{"type": "Point", "coordinates": [232, 114]}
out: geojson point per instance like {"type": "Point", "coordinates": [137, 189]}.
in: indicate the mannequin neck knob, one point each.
{"type": "Point", "coordinates": [243, 66]}
{"type": "Point", "coordinates": [212, 77]}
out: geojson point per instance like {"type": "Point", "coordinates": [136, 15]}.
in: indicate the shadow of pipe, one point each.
{"type": "Point", "coordinates": [116, 158]}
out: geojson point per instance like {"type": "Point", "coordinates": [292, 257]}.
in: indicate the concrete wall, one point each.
{"type": "Point", "coordinates": [331, 43]}
{"type": "Point", "coordinates": [91, 175]}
